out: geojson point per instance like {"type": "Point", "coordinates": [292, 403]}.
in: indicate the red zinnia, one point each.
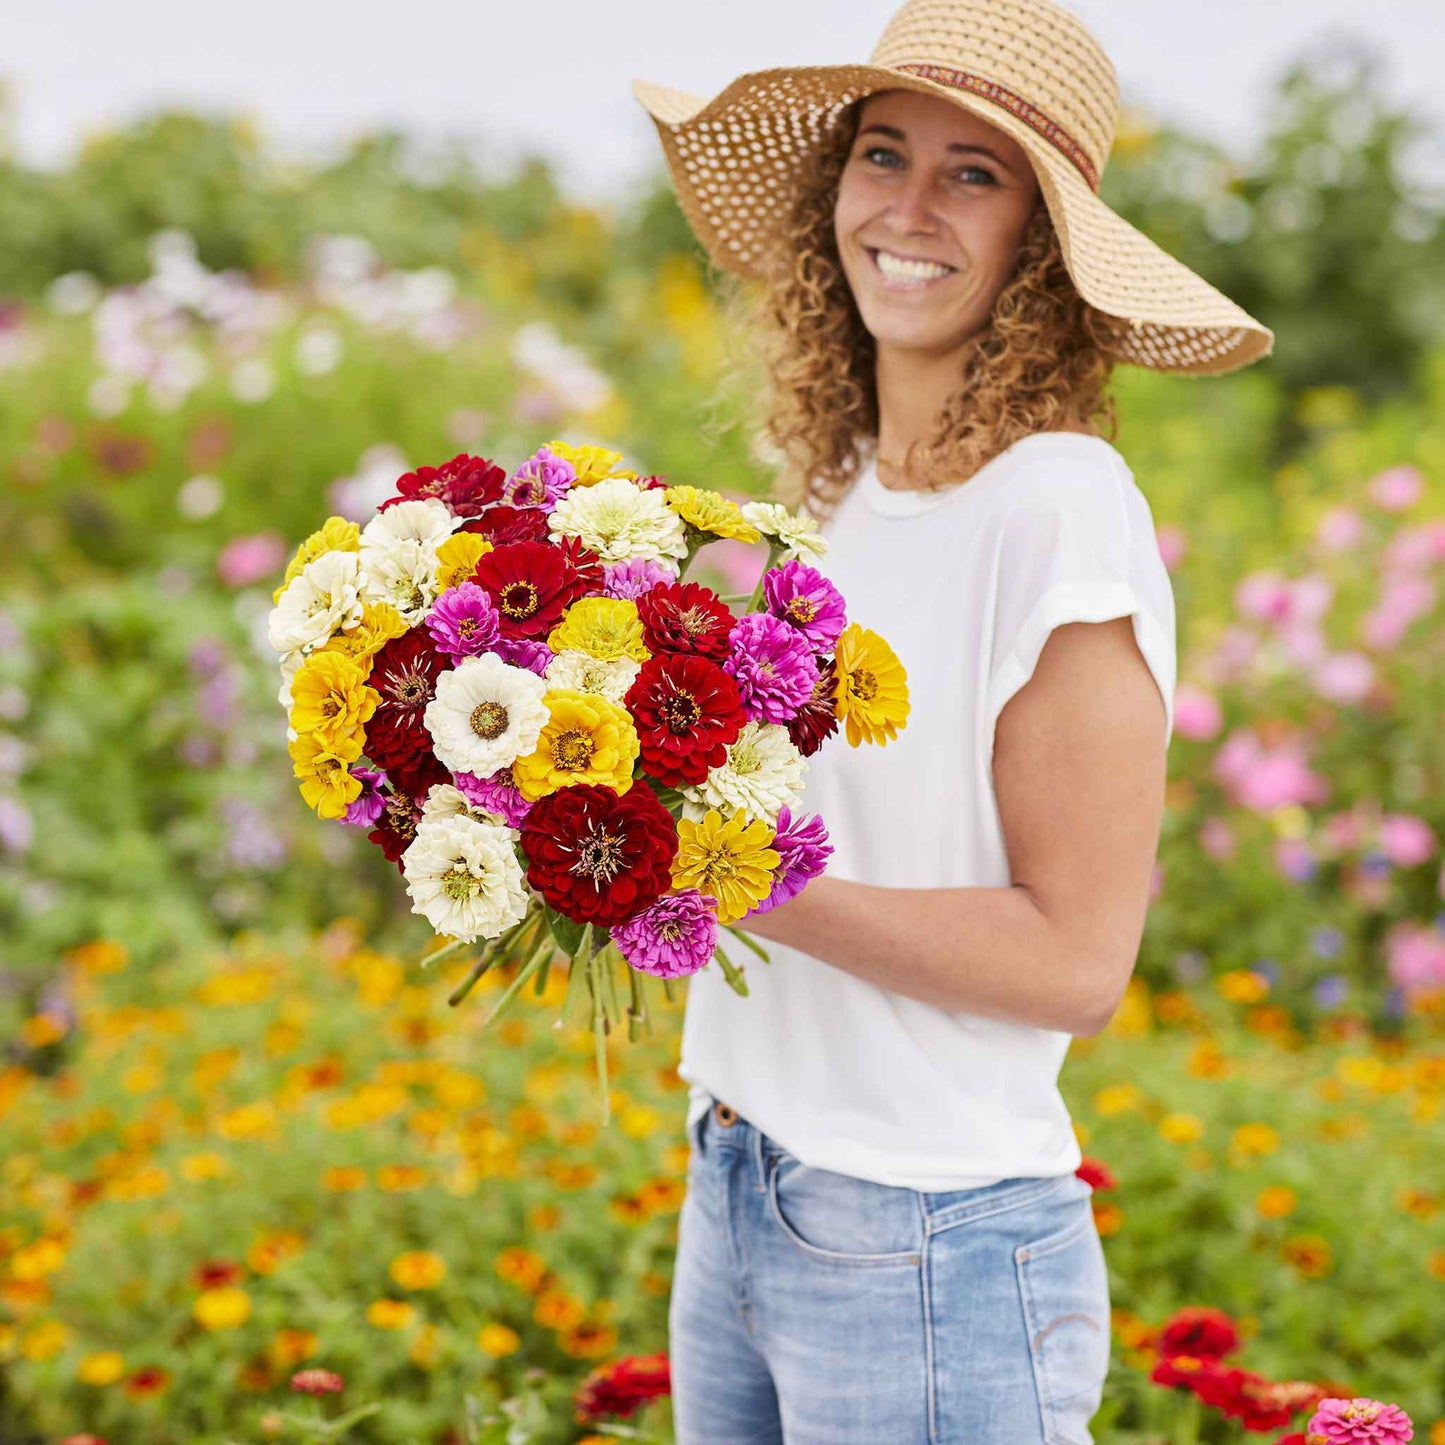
{"type": "Point", "coordinates": [619, 1388]}
{"type": "Point", "coordinates": [404, 671]}
{"type": "Point", "coordinates": [817, 718]}
{"type": "Point", "coordinates": [531, 585]}
{"type": "Point", "coordinates": [687, 712]}
{"type": "Point", "coordinates": [685, 617]}
{"type": "Point", "coordinates": [316, 1381]}
{"type": "Point", "coordinates": [1204, 1333]}
{"type": "Point", "coordinates": [214, 1273]}
{"type": "Point", "coordinates": [598, 855]}
{"type": "Point", "coordinates": [466, 484]}
{"type": "Point", "coordinates": [395, 830]}
{"type": "Point", "coordinates": [505, 524]}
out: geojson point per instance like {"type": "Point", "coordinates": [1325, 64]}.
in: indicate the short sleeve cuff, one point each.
{"type": "Point", "coordinates": [1082, 602]}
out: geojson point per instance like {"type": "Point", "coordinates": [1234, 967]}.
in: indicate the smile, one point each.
{"type": "Point", "coordinates": [905, 273]}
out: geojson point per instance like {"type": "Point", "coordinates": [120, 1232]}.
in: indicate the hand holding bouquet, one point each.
{"type": "Point", "coordinates": [562, 744]}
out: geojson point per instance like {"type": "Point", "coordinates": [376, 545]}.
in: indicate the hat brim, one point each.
{"type": "Point", "coordinates": [735, 161]}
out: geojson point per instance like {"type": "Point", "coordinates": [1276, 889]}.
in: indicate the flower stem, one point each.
{"type": "Point", "coordinates": [775, 550]}
{"type": "Point", "coordinates": [523, 974]}
{"type": "Point", "coordinates": [637, 1008]}
{"type": "Point", "coordinates": [599, 1037]}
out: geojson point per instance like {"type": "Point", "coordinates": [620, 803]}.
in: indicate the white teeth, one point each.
{"type": "Point", "coordinates": [902, 269]}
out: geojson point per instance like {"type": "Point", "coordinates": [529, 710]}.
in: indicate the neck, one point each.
{"type": "Point", "coordinates": [913, 388]}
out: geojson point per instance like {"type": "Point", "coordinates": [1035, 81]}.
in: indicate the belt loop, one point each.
{"type": "Point", "coordinates": [755, 1143]}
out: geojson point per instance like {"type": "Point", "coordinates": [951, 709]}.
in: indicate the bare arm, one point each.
{"type": "Point", "coordinates": [1079, 773]}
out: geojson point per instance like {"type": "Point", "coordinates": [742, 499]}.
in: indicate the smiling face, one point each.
{"type": "Point", "coordinates": [932, 204]}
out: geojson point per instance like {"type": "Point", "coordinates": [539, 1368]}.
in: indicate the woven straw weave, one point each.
{"type": "Point", "coordinates": [735, 161]}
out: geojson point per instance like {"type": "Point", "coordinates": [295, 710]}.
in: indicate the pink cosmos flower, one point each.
{"type": "Point", "coordinates": [1406, 840]}
{"type": "Point", "coordinates": [248, 559]}
{"type": "Point", "coordinates": [1340, 529]}
{"type": "Point", "coordinates": [1197, 714]}
{"type": "Point", "coordinates": [1396, 488]}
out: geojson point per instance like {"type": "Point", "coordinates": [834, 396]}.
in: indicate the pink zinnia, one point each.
{"type": "Point", "coordinates": [670, 938]}
{"type": "Point", "coordinates": [463, 621]}
{"type": "Point", "coordinates": [495, 794]}
{"type": "Point", "coordinates": [1358, 1422]}
{"type": "Point", "coordinates": [629, 580]}
{"type": "Point", "coordinates": [773, 666]}
{"type": "Point", "coordinates": [804, 850]}
{"type": "Point", "coordinates": [803, 598]}
{"type": "Point", "coordinates": [317, 1382]}
{"type": "Point", "coordinates": [541, 481]}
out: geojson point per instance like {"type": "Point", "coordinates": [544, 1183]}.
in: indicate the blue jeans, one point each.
{"type": "Point", "coordinates": [813, 1308]}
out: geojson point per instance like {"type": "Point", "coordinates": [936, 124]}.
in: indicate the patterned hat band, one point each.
{"type": "Point", "coordinates": [1030, 114]}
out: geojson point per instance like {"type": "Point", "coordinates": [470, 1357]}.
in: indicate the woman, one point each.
{"type": "Point", "coordinates": [884, 1237]}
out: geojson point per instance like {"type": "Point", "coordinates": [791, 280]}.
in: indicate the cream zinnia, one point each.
{"type": "Point", "coordinates": [463, 877]}
{"type": "Point", "coordinates": [584, 673]}
{"type": "Point", "coordinates": [762, 773]}
{"type": "Point", "coordinates": [324, 598]}
{"type": "Point", "coordinates": [486, 714]}
{"type": "Point", "coordinates": [620, 521]}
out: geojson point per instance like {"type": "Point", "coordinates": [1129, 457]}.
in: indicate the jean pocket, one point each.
{"type": "Point", "coordinates": [837, 1219]}
{"type": "Point", "coordinates": [1064, 1286]}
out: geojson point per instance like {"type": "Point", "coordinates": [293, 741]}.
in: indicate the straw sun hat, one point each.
{"type": "Point", "coordinates": [1028, 67]}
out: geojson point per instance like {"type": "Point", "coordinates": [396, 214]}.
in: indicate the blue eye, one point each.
{"type": "Point", "coordinates": [873, 152]}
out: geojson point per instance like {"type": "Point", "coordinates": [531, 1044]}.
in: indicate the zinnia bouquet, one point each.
{"type": "Point", "coordinates": [562, 744]}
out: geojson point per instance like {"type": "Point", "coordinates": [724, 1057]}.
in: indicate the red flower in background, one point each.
{"type": "Point", "coordinates": [685, 617]}
{"type": "Point", "coordinates": [687, 712]}
{"type": "Point", "coordinates": [598, 855]}
{"type": "Point", "coordinates": [817, 719]}
{"type": "Point", "coordinates": [622, 1386]}
{"type": "Point", "coordinates": [531, 584]}
{"type": "Point", "coordinates": [1096, 1175]}
{"type": "Point", "coordinates": [214, 1273]}
{"type": "Point", "coordinates": [466, 484]}
{"type": "Point", "coordinates": [1204, 1333]}
{"type": "Point", "coordinates": [504, 524]}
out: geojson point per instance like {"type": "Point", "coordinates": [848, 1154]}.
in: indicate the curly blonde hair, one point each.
{"type": "Point", "coordinates": [1042, 360]}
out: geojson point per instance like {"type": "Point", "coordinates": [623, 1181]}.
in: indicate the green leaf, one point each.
{"type": "Point", "coordinates": [566, 931]}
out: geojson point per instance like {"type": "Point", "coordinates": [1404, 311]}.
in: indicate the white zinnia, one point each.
{"type": "Point", "coordinates": [762, 772]}
{"type": "Point", "coordinates": [798, 535]}
{"type": "Point", "coordinates": [324, 598]}
{"type": "Point", "coordinates": [423, 519]}
{"type": "Point", "coordinates": [582, 672]}
{"type": "Point", "coordinates": [463, 877]}
{"type": "Point", "coordinates": [445, 801]}
{"type": "Point", "coordinates": [486, 714]}
{"type": "Point", "coordinates": [620, 521]}
{"type": "Point", "coordinates": [403, 574]}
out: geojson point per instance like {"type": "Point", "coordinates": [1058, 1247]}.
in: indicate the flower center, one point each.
{"type": "Point", "coordinates": [600, 858]}
{"type": "Point", "coordinates": [863, 685]}
{"type": "Point", "coordinates": [680, 712]}
{"type": "Point", "coordinates": [411, 689]}
{"type": "Point", "coordinates": [467, 627]}
{"type": "Point", "coordinates": [399, 816]}
{"type": "Point", "coordinates": [489, 720]}
{"type": "Point", "coordinates": [802, 609]}
{"type": "Point", "coordinates": [416, 598]}
{"type": "Point", "coordinates": [671, 931]}
{"type": "Point", "coordinates": [459, 884]}
{"type": "Point", "coordinates": [745, 759]}
{"type": "Point", "coordinates": [695, 621]}
{"type": "Point", "coordinates": [518, 600]}
{"type": "Point", "coordinates": [527, 493]}
{"type": "Point", "coordinates": [572, 751]}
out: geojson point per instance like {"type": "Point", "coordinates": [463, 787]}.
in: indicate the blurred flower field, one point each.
{"type": "Point", "coordinates": [245, 1136]}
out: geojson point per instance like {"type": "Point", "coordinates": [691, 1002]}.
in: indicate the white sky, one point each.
{"type": "Point", "coordinates": [552, 75]}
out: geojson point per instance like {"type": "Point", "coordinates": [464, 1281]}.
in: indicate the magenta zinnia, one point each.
{"type": "Point", "coordinates": [672, 938]}
{"type": "Point", "coordinates": [803, 598]}
{"type": "Point", "coordinates": [463, 622]}
{"type": "Point", "coordinates": [773, 666]}
{"type": "Point", "coordinates": [803, 850]}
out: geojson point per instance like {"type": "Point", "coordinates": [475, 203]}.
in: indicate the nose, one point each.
{"type": "Point", "coordinates": [912, 208]}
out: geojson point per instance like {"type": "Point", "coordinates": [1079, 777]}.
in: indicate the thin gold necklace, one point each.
{"type": "Point", "coordinates": [900, 466]}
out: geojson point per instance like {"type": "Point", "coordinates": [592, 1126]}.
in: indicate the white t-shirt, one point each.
{"type": "Point", "coordinates": [965, 585]}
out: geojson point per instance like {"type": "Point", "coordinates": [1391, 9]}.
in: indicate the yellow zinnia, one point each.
{"type": "Point", "coordinates": [458, 556]}
{"type": "Point", "coordinates": [872, 696]}
{"type": "Point", "coordinates": [380, 622]}
{"type": "Point", "coordinates": [592, 464]}
{"type": "Point", "coordinates": [330, 698]}
{"type": "Point", "coordinates": [710, 512]}
{"type": "Point", "coordinates": [607, 628]}
{"type": "Point", "coordinates": [418, 1269]}
{"type": "Point", "coordinates": [324, 770]}
{"type": "Point", "coordinates": [586, 740]}
{"type": "Point", "coordinates": [731, 861]}
{"type": "Point", "coordinates": [336, 535]}
{"type": "Point", "coordinates": [227, 1308]}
